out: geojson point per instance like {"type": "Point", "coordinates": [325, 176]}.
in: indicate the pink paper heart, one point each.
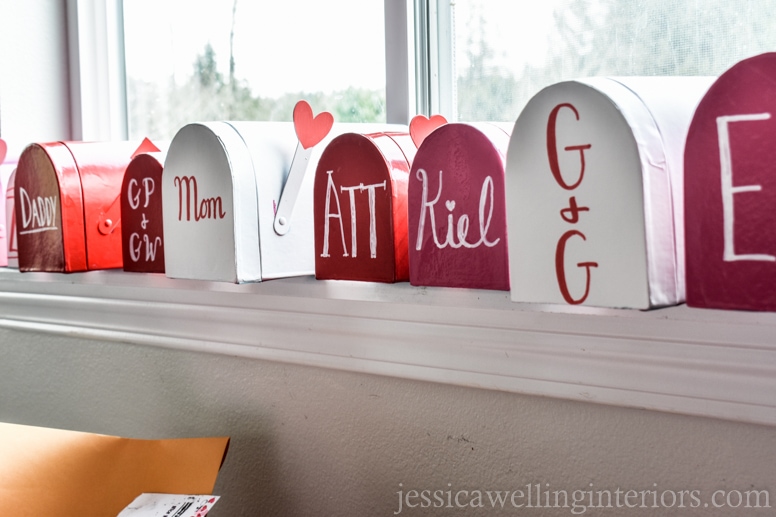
{"type": "Point", "coordinates": [422, 126]}
{"type": "Point", "coordinates": [311, 130]}
{"type": "Point", "coordinates": [3, 150]}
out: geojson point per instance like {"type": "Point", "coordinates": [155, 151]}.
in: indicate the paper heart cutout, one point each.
{"type": "Point", "coordinates": [421, 127]}
{"type": "Point", "coordinates": [311, 130]}
{"type": "Point", "coordinates": [450, 205]}
{"type": "Point", "coordinates": [146, 146]}
{"type": "Point", "coordinates": [3, 150]}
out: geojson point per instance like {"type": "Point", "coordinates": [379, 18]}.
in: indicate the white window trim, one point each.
{"type": "Point", "coordinates": [98, 90]}
{"type": "Point", "coordinates": [399, 59]}
{"type": "Point", "coordinates": [435, 80]}
{"type": "Point", "coordinates": [691, 361]}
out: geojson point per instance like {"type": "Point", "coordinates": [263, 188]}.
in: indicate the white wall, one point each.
{"type": "Point", "coordinates": [309, 441]}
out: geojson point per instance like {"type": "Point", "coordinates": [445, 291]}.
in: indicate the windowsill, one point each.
{"type": "Point", "coordinates": [699, 362]}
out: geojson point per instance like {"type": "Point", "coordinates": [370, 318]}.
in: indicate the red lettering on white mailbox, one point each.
{"type": "Point", "coordinates": [571, 213]}
{"type": "Point", "coordinates": [207, 208]}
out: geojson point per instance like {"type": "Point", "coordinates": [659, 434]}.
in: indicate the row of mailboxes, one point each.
{"type": "Point", "coordinates": [599, 194]}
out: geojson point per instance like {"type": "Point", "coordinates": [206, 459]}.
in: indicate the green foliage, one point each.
{"type": "Point", "coordinates": [206, 69]}
{"type": "Point", "coordinates": [358, 105]}
{"type": "Point", "coordinates": [158, 113]}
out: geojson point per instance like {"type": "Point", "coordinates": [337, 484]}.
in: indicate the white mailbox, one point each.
{"type": "Point", "coordinates": [594, 192]}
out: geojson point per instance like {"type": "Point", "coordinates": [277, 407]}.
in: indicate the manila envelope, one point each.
{"type": "Point", "coordinates": [73, 474]}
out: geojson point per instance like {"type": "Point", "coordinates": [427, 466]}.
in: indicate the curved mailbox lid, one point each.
{"type": "Point", "coordinates": [101, 167]}
{"type": "Point", "coordinates": [590, 202]}
{"type": "Point", "coordinates": [271, 146]}
{"type": "Point", "coordinates": [457, 208]}
{"type": "Point", "coordinates": [292, 253]}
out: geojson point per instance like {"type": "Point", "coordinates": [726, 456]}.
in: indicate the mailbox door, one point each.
{"type": "Point", "coordinates": [209, 206]}
{"type": "Point", "coordinates": [48, 207]}
{"type": "Point", "coordinates": [457, 209]}
{"type": "Point", "coordinates": [356, 181]}
{"type": "Point", "coordinates": [142, 231]}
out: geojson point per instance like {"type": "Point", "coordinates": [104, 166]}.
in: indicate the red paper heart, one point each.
{"type": "Point", "coordinates": [3, 150]}
{"type": "Point", "coordinates": [311, 130]}
{"type": "Point", "coordinates": [421, 127]}
{"type": "Point", "coordinates": [146, 146]}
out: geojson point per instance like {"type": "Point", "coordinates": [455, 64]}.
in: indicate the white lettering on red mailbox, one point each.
{"type": "Point", "coordinates": [372, 221]}
{"type": "Point", "coordinates": [331, 189]}
{"type": "Point", "coordinates": [39, 214]}
{"type": "Point", "coordinates": [137, 241]}
{"type": "Point", "coordinates": [571, 213]}
{"type": "Point", "coordinates": [728, 190]}
{"type": "Point", "coordinates": [148, 189]}
{"type": "Point", "coordinates": [207, 208]}
{"type": "Point", "coordinates": [461, 229]}
{"type": "Point", "coordinates": [136, 244]}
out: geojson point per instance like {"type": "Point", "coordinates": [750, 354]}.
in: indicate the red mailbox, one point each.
{"type": "Point", "coordinates": [730, 191]}
{"type": "Point", "coordinates": [457, 209]}
{"type": "Point", "coordinates": [67, 208]}
{"type": "Point", "coordinates": [360, 207]}
{"type": "Point", "coordinates": [142, 231]}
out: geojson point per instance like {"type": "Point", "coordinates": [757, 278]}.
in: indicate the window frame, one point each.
{"type": "Point", "coordinates": [418, 62]}
{"type": "Point", "coordinates": [434, 59]}
{"type": "Point", "coordinates": [98, 93]}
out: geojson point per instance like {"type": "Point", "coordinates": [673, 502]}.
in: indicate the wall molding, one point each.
{"type": "Point", "coordinates": [719, 364]}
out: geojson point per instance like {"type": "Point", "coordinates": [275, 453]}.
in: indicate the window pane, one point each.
{"type": "Point", "coordinates": [249, 60]}
{"type": "Point", "coordinates": [507, 51]}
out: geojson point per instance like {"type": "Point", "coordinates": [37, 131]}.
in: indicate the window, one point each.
{"type": "Point", "coordinates": [505, 51]}
{"type": "Point", "coordinates": [246, 60]}
{"type": "Point", "coordinates": [473, 59]}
